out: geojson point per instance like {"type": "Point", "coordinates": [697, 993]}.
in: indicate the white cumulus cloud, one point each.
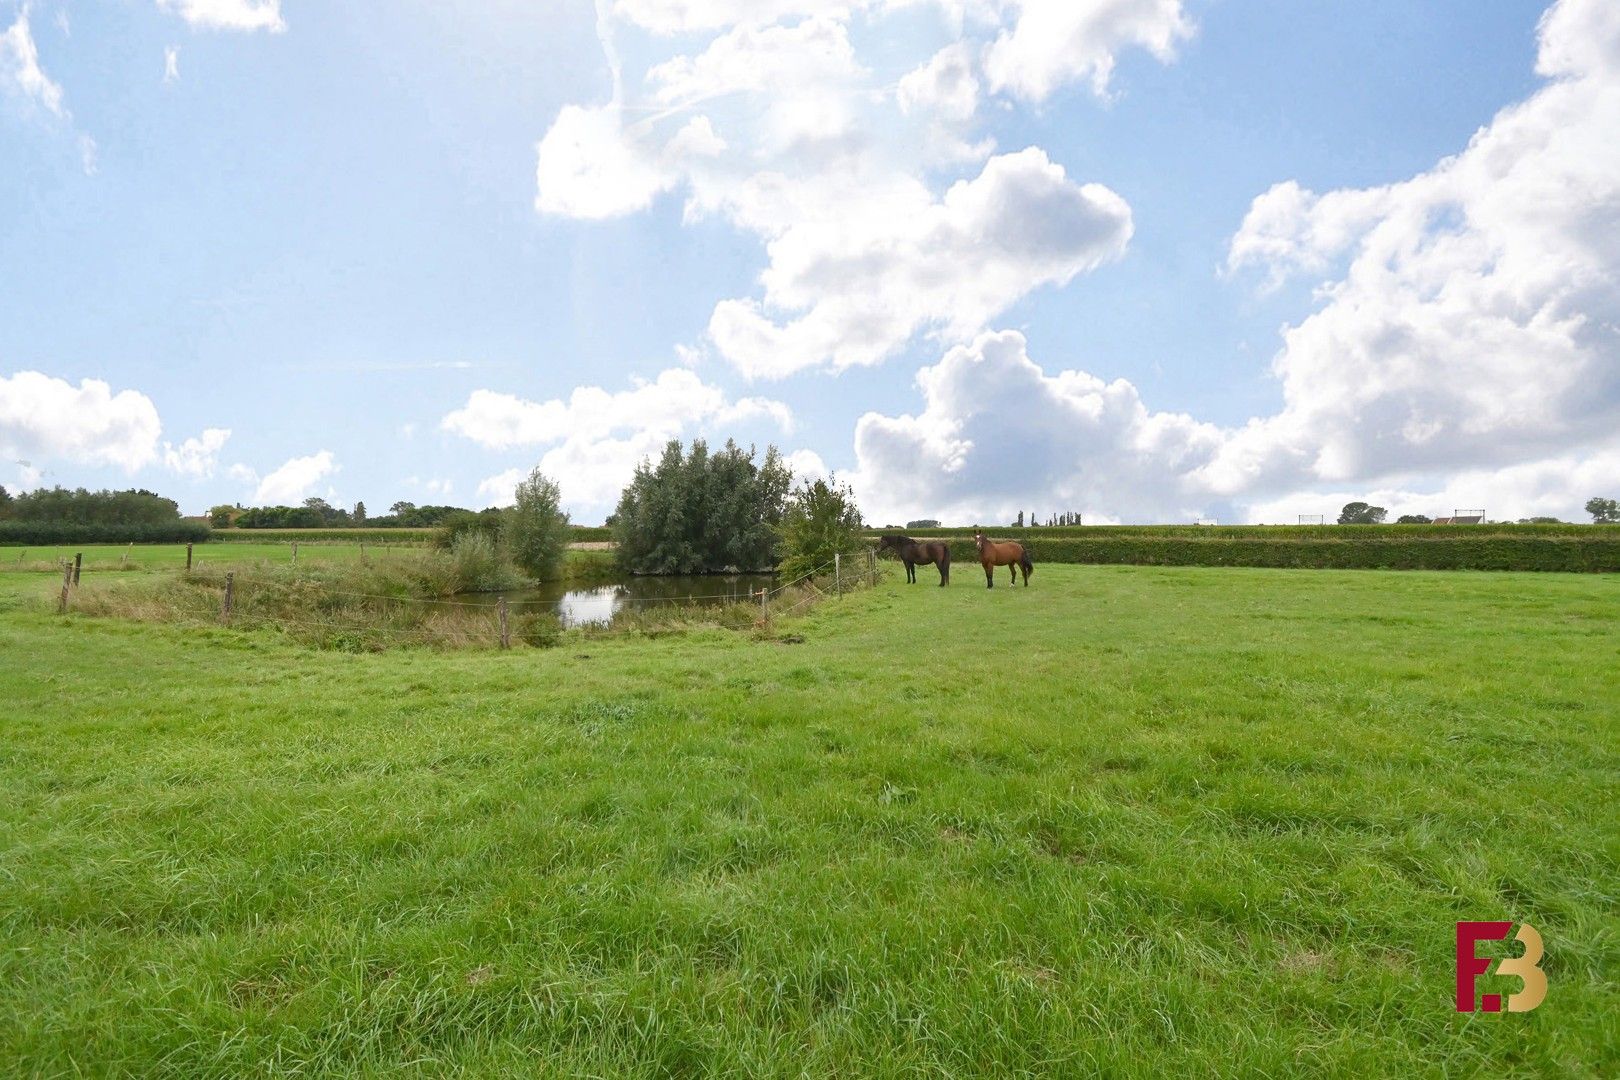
{"type": "Point", "coordinates": [596, 437]}
{"type": "Point", "coordinates": [45, 417]}
{"type": "Point", "coordinates": [1469, 316]}
{"type": "Point", "coordinates": [997, 435]}
{"type": "Point", "coordinates": [1054, 42]}
{"type": "Point", "coordinates": [228, 14]}
{"type": "Point", "coordinates": [776, 123]}
{"type": "Point", "coordinates": [20, 71]}
{"type": "Point", "coordinates": [295, 480]}
{"type": "Point", "coordinates": [198, 456]}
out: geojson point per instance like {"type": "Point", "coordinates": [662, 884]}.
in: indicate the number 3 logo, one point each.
{"type": "Point", "coordinates": [1528, 968]}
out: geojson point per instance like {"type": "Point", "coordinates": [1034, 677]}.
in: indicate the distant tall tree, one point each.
{"type": "Point", "coordinates": [1360, 513]}
{"type": "Point", "coordinates": [402, 508]}
{"type": "Point", "coordinates": [536, 528]}
{"type": "Point", "coordinates": [701, 511]}
{"type": "Point", "coordinates": [5, 500]}
{"type": "Point", "coordinates": [1019, 524]}
{"type": "Point", "coordinates": [821, 520]}
{"type": "Point", "coordinates": [1603, 511]}
{"type": "Point", "coordinates": [222, 516]}
{"type": "Point", "coordinates": [359, 515]}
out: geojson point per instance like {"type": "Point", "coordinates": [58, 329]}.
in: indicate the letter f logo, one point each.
{"type": "Point", "coordinates": [1527, 966]}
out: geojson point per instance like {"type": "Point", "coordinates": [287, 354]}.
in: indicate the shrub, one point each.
{"type": "Point", "coordinates": [821, 521]}
{"type": "Point", "coordinates": [486, 523]}
{"type": "Point", "coordinates": [480, 565]}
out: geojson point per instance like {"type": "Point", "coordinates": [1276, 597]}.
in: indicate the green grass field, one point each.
{"type": "Point", "coordinates": [1131, 821]}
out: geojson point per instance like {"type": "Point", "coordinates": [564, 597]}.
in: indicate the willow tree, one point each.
{"type": "Point", "coordinates": [699, 511]}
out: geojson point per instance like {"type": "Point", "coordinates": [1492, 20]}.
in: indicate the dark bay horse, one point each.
{"type": "Point", "coordinates": [920, 552]}
{"type": "Point", "coordinates": [1005, 553]}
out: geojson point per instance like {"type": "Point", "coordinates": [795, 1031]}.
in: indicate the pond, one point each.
{"type": "Point", "coordinates": [596, 604]}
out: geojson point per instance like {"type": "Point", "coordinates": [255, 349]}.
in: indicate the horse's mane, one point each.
{"type": "Point", "coordinates": [900, 538]}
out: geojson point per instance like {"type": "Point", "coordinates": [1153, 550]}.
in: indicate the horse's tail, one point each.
{"type": "Point", "coordinates": [1026, 562]}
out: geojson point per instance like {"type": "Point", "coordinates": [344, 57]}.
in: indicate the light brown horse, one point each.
{"type": "Point", "coordinates": [1005, 553]}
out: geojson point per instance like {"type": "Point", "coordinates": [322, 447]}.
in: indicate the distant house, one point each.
{"type": "Point", "coordinates": [1466, 519]}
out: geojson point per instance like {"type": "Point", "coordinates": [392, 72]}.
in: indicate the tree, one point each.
{"type": "Point", "coordinates": [821, 520]}
{"type": "Point", "coordinates": [1414, 519]}
{"type": "Point", "coordinates": [1603, 511]}
{"type": "Point", "coordinates": [402, 508]}
{"type": "Point", "coordinates": [5, 500]}
{"type": "Point", "coordinates": [222, 516]}
{"type": "Point", "coordinates": [1359, 513]}
{"type": "Point", "coordinates": [536, 528]}
{"type": "Point", "coordinates": [359, 514]}
{"type": "Point", "coordinates": [698, 512]}
{"type": "Point", "coordinates": [923, 523]}
{"type": "Point", "coordinates": [1019, 524]}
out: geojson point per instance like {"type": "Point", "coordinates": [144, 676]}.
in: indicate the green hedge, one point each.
{"type": "Point", "coordinates": [1260, 532]}
{"type": "Point", "coordinates": [28, 533]}
{"type": "Point", "coordinates": [1599, 551]}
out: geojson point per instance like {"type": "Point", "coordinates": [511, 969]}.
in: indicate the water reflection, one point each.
{"type": "Point", "coordinates": [597, 604]}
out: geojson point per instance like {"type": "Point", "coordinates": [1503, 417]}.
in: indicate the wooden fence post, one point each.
{"type": "Point", "coordinates": [838, 574]}
{"type": "Point", "coordinates": [295, 553]}
{"type": "Point", "coordinates": [230, 589]}
{"type": "Point", "coordinates": [188, 558]}
{"type": "Point", "coordinates": [871, 558]}
{"type": "Point", "coordinates": [67, 580]}
{"type": "Point", "coordinates": [764, 612]}
{"type": "Point", "coordinates": [78, 564]}
{"type": "Point", "coordinates": [506, 629]}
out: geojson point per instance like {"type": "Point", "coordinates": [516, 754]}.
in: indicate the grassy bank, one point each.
{"type": "Point", "coordinates": [1134, 820]}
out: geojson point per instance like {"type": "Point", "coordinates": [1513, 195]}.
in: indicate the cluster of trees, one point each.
{"type": "Point", "coordinates": [61, 506]}
{"type": "Point", "coordinates": [1604, 511]}
{"type": "Point", "coordinates": [317, 513]}
{"type": "Point", "coordinates": [59, 515]}
{"type": "Point", "coordinates": [702, 511]}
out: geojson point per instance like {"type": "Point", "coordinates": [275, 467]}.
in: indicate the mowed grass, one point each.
{"type": "Point", "coordinates": [1133, 821]}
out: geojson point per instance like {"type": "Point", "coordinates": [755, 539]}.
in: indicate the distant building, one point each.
{"type": "Point", "coordinates": [1466, 519]}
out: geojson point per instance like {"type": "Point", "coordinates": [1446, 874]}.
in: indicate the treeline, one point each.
{"type": "Point", "coordinates": [317, 513]}
{"type": "Point", "coordinates": [59, 515]}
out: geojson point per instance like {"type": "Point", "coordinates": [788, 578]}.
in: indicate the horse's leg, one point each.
{"type": "Point", "coordinates": [989, 576]}
{"type": "Point", "coordinates": [1014, 570]}
{"type": "Point", "coordinates": [911, 572]}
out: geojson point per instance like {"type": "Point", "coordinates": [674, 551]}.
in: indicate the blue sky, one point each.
{"type": "Point", "coordinates": [1246, 260]}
